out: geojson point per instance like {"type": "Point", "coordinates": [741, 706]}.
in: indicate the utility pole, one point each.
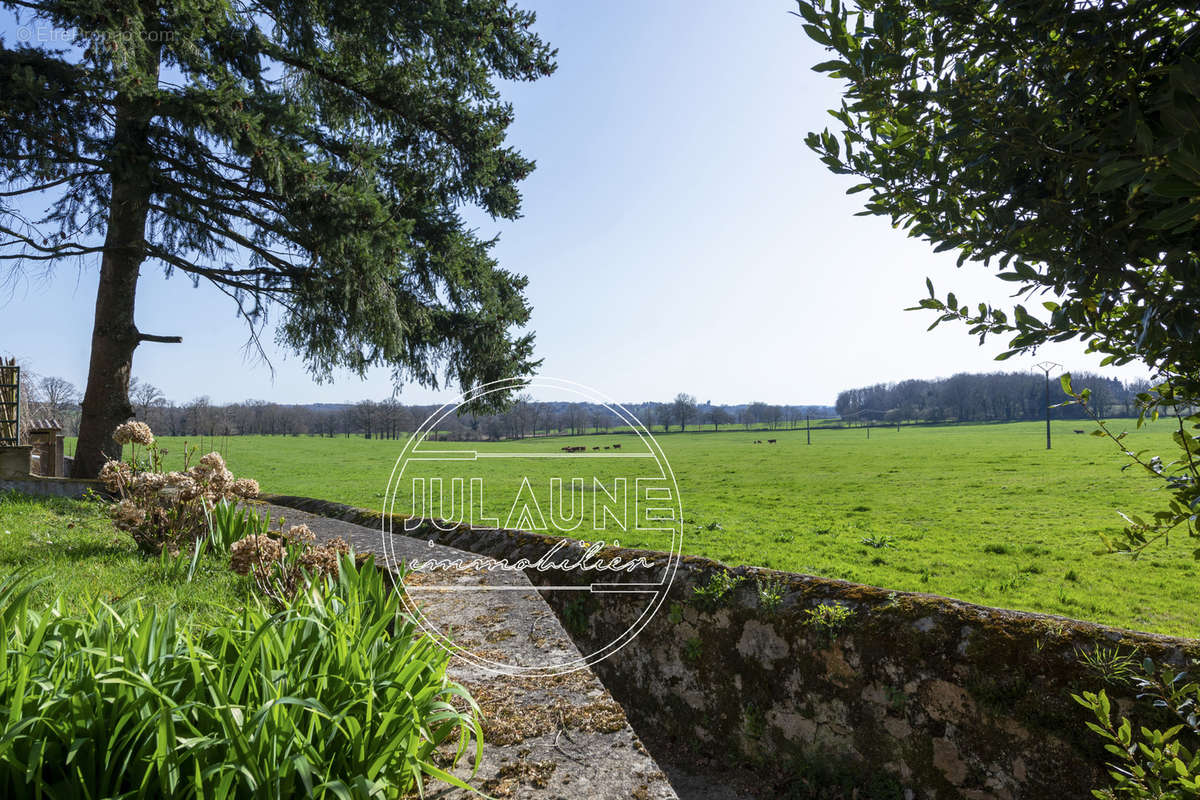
{"type": "Point", "coordinates": [808, 428]}
{"type": "Point", "coordinates": [1047, 366]}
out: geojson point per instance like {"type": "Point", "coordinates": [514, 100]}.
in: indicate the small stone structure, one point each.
{"type": "Point", "coordinates": [898, 696]}
{"type": "Point", "coordinates": [46, 438]}
{"type": "Point", "coordinates": [17, 470]}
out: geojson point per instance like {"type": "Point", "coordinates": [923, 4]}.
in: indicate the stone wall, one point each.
{"type": "Point", "coordinates": [841, 689]}
{"type": "Point", "coordinates": [14, 461]}
{"type": "Point", "coordinates": [53, 487]}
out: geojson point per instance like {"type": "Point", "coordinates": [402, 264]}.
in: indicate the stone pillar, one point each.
{"type": "Point", "coordinates": [47, 443]}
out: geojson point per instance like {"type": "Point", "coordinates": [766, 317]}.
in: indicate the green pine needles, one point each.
{"type": "Point", "coordinates": [314, 160]}
{"type": "Point", "coordinates": [335, 696]}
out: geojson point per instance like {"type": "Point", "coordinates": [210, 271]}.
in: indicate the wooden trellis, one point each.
{"type": "Point", "coordinates": [10, 403]}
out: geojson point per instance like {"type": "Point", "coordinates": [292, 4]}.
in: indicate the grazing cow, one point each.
{"type": "Point", "coordinates": [595, 448]}
{"type": "Point", "coordinates": [616, 447]}
{"type": "Point", "coordinates": [770, 441]}
{"type": "Point", "coordinates": [1079, 431]}
{"type": "Point", "coordinates": [567, 449]}
{"type": "Point", "coordinates": [758, 441]}
{"type": "Point", "coordinates": [606, 447]}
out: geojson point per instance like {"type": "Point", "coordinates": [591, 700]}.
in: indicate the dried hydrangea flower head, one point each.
{"type": "Point", "coordinates": [255, 549]}
{"type": "Point", "coordinates": [299, 534]}
{"type": "Point", "coordinates": [149, 482]}
{"type": "Point", "coordinates": [184, 486]}
{"type": "Point", "coordinates": [246, 488]}
{"type": "Point", "coordinates": [133, 433]}
{"type": "Point", "coordinates": [115, 474]}
{"type": "Point", "coordinates": [127, 515]}
{"type": "Point", "coordinates": [323, 560]}
{"type": "Point", "coordinates": [213, 475]}
{"type": "Point", "coordinates": [212, 462]}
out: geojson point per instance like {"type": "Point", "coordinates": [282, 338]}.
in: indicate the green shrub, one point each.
{"type": "Point", "coordinates": [335, 695]}
{"type": "Point", "coordinates": [770, 593]}
{"type": "Point", "coordinates": [828, 618]}
{"type": "Point", "coordinates": [720, 584]}
{"type": "Point", "coordinates": [1150, 764]}
{"type": "Point", "coordinates": [229, 522]}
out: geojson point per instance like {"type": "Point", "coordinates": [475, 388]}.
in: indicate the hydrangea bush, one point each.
{"type": "Point", "coordinates": [182, 513]}
{"type": "Point", "coordinates": [283, 565]}
{"type": "Point", "coordinates": [167, 510]}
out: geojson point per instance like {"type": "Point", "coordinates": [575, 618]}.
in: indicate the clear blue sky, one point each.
{"type": "Point", "coordinates": [678, 236]}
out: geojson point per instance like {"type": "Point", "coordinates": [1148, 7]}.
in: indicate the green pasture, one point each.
{"type": "Point", "coordinates": [72, 547]}
{"type": "Point", "coordinates": [979, 512]}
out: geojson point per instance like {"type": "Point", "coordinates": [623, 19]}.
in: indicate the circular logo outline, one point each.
{"type": "Point", "coordinates": [418, 437]}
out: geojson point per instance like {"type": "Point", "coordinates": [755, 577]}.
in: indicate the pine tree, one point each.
{"type": "Point", "coordinates": [307, 159]}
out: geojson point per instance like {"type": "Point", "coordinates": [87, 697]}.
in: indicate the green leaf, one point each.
{"type": "Point", "coordinates": [818, 35]}
{"type": "Point", "coordinates": [809, 13]}
{"type": "Point", "coordinates": [830, 66]}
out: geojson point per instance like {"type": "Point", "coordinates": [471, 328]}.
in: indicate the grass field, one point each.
{"type": "Point", "coordinates": [74, 546]}
{"type": "Point", "coordinates": [982, 512]}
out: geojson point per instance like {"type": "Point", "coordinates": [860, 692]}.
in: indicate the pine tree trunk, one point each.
{"type": "Point", "coordinates": [114, 336]}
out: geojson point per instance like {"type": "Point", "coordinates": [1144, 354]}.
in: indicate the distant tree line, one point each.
{"type": "Point", "coordinates": [47, 397]}
{"type": "Point", "coordinates": [391, 419]}
{"type": "Point", "coordinates": [966, 397]}
{"type": "Point", "coordinates": [983, 397]}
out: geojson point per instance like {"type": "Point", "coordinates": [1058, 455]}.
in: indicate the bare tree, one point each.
{"type": "Point", "coordinates": [756, 412]}
{"type": "Point", "coordinates": [396, 418]}
{"type": "Point", "coordinates": [774, 416]}
{"type": "Point", "coordinates": [28, 400]}
{"type": "Point", "coordinates": [365, 417]}
{"type": "Point", "coordinates": [599, 418]}
{"type": "Point", "coordinates": [200, 417]}
{"type": "Point", "coordinates": [651, 414]}
{"type": "Point", "coordinates": [718, 416]}
{"type": "Point", "coordinates": [574, 418]}
{"type": "Point", "coordinates": [683, 409]}
{"type": "Point", "coordinates": [145, 396]}
{"type": "Point", "coordinates": [56, 395]}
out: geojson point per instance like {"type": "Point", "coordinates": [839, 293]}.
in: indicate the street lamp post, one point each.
{"type": "Point", "coordinates": [1046, 367]}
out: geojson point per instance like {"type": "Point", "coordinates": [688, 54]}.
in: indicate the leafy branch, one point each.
{"type": "Point", "coordinates": [1181, 476]}
{"type": "Point", "coordinates": [1151, 763]}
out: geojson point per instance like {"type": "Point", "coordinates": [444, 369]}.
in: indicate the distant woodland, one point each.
{"type": "Point", "coordinates": [974, 397]}
{"type": "Point", "coordinates": [983, 397]}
